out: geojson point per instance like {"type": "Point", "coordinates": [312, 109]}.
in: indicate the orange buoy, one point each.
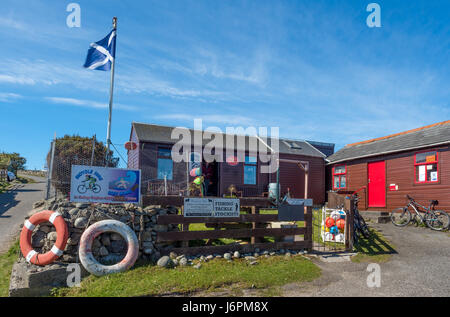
{"type": "Point", "coordinates": [329, 222]}
{"type": "Point", "coordinates": [340, 224]}
{"type": "Point", "coordinates": [62, 234]}
{"type": "Point", "coordinates": [130, 145]}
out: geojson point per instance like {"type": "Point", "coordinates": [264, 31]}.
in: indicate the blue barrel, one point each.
{"type": "Point", "coordinates": [273, 190]}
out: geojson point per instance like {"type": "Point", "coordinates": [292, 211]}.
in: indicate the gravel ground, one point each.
{"type": "Point", "coordinates": [421, 267]}
{"type": "Point", "coordinates": [15, 205]}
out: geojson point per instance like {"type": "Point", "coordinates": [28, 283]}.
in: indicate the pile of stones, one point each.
{"type": "Point", "coordinates": [108, 248]}
{"type": "Point", "coordinates": [174, 260]}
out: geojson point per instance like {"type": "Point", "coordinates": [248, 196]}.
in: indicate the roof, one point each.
{"type": "Point", "coordinates": [431, 135]}
{"type": "Point", "coordinates": [325, 148]}
{"type": "Point", "coordinates": [162, 134]}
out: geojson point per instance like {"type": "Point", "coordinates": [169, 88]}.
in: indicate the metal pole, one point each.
{"type": "Point", "coordinates": [93, 150]}
{"type": "Point", "coordinates": [111, 89]}
{"type": "Point", "coordinates": [278, 182]}
{"type": "Point", "coordinates": [50, 169]}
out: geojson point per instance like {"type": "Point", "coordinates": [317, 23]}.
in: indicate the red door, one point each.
{"type": "Point", "coordinates": [377, 184]}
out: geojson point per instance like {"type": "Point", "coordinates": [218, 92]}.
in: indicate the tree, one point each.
{"type": "Point", "coordinates": [76, 150]}
{"type": "Point", "coordinates": [12, 161]}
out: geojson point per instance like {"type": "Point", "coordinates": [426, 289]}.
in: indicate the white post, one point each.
{"type": "Point", "coordinates": [165, 185]}
{"type": "Point", "coordinates": [187, 173]}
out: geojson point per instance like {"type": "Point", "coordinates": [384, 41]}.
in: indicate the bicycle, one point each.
{"type": "Point", "coordinates": [434, 219]}
{"type": "Point", "coordinates": [360, 227]}
{"type": "Point", "coordinates": [83, 188]}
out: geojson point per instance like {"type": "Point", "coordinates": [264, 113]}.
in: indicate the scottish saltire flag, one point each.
{"type": "Point", "coordinates": [102, 53]}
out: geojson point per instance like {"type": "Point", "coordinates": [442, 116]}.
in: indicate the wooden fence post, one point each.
{"type": "Point", "coordinates": [309, 229]}
{"type": "Point", "coordinates": [350, 207]}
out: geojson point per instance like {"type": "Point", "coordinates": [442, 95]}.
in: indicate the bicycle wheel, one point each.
{"type": "Point", "coordinates": [400, 217]}
{"type": "Point", "coordinates": [96, 188]}
{"type": "Point", "coordinates": [81, 189]}
{"type": "Point", "coordinates": [437, 220]}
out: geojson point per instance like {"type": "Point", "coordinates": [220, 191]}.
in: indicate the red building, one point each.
{"type": "Point", "coordinates": [415, 162]}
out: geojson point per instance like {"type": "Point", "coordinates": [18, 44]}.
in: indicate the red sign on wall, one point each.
{"type": "Point", "coordinates": [393, 187]}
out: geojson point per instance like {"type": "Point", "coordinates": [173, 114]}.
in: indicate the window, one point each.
{"type": "Point", "coordinates": [426, 167]}
{"type": "Point", "coordinates": [250, 170]}
{"type": "Point", "coordinates": [164, 152]}
{"type": "Point", "coordinates": [165, 164]}
{"type": "Point", "coordinates": [339, 177]}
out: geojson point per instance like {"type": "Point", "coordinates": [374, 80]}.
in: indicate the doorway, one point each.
{"type": "Point", "coordinates": [376, 184]}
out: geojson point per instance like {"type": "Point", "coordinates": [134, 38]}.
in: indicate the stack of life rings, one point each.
{"type": "Point", "coordinates": [86, 240]}
{"type": "Point", "coordinates": [334, 227]}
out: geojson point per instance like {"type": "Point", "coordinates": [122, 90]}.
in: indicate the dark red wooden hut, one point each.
{"type": "Point", "coordinates": [414, 162]}
{"type": "Point", "coordinates": [152, 156]}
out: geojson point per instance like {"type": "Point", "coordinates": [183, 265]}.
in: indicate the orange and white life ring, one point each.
{"type": "Point", "coordinates": [62, 234]}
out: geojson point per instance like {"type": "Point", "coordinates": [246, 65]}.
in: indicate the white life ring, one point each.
{"type": "Point", "coordinates": [85, 251]}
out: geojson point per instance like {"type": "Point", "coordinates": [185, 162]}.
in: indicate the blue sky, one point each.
{"type": "Point", "coordinates": [312, 68]}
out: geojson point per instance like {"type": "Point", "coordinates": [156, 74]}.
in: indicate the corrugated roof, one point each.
{"type": "Point", "coordinates": [435, 134]}
{"type": "Point", "coordinates": [158, 133]}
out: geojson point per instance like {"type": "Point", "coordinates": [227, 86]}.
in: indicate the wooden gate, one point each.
{"type": "Point", "coordinates": [257, 230]}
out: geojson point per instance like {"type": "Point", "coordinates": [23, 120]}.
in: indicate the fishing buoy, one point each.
{"type": "Point", "coordinates": [340, 224]}
{"type": "Point", "coordinates": [334, 230]}
{"type": "Point", "coordinates": [329, 222]}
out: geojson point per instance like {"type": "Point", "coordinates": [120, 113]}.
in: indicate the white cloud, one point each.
{"type": "Point", "coordinates": [12, 23]}
{"type": "Point", "coordinates": [9, 96]}
{"type": "Point", "coordinates": [16, 80]}
{"type": "Point", "coordinates": [211, 118]}
{"type": "Point", "coordinates": [225, 65]}
{"type": "Point", "coordinates": [129, 80]}
{"type": "Point", "coordinates": [88, 103]}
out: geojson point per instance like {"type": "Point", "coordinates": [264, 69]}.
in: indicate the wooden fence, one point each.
{"type": "Point", "coordinates": [255, 222]}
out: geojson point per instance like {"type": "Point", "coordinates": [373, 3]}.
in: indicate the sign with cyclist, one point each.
{"type": "Point", "coordinates": [95, 184]}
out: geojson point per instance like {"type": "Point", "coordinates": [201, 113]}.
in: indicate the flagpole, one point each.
{"type": "Point", "coordinates": [111, 89]}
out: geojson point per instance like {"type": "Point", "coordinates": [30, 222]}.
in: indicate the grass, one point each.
{"type": "Point", "coordinates": [5, 185]}
{"type": "Point", "coordinates": [375, 249]}
{"type": "Point", "coordinates": [25, 180]}
{"type": "Point", "coordinates": [150, 280]}
{"type": "Point", "coordinates": [7, 260]}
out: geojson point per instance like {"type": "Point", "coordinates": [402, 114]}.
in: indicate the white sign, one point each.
{"type": "Point", "coordinates": [96, 184]}
{"type": "Point", "coordinates": [433, 176]}
{"type": "Point", "coordinates": [227, 207]}
{"type": "Point", "coordinates": [296, 201]}
{"type": "Point", "coordinates": [198, 207]}
{"type": "Point", "coordinates": [211, 207]}
{"type": "Point", "coordinates": [422, 173]}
